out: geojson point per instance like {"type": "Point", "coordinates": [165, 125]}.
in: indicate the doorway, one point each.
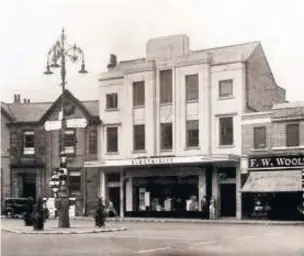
{"type": "Point", "coordinates": [228, 200]}
{"type": "Point", "coordinates": [114, 197]}
{"type": "Point", "coordinates": [29, 185]}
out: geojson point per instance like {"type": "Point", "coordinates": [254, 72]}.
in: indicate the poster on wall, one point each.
{"type": "Point", "coordinates": [142, 206]}
{"type": "Point", "coordinates": [72, 207]}
{"type": "Point", "coordinates": [50, 204]}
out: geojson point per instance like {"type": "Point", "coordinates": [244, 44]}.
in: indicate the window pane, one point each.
{"type": "Point", "coordinates": [192, 133]}
{"type": "Point", "coordinates": [226, 131]}
{"type": "Point", "coordinates": [74, 183]}
{"type": "Point", "coordinates": [165, 86]}
{"type": "Point", "coordinates": [69, 138]}
{"type": "Point", "coordinates": [226, 88]}
{"type": "Point", "coordinates": [139, 93]}
{"type": "Point", "coordinates": [29, 139]}
{"type": "Point", "coordinates": [259, 135]}
{"type": "Point", "coordinates": [166, 136]}
{"type": "Point", "coordinates": [292, 135]}
{"type": "Point", "coordinates": [112, 100]}
{"type": "Point", "coordinates": [93, 142]}
{"type": "Point", "coordinates": [139, 137]}
{"type": "Point", "coordinates": [112, 140]}
{"type": "Point", "coordinates": [192, 87]}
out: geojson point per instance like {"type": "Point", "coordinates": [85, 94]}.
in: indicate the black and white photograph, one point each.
{"type": "Point", "coordinates": [152, 127]}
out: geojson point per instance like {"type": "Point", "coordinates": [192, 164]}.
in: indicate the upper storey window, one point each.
{"type": "Point", "coordinates": [29, 143]}
{"type": "Point", "coordinates": [292, 135]}
{"type": "Point", "coordinates": [139, 94]}
{"type": "Point", "coordinates": [112, 101]}
{"type": "Point", "coordinates": [191, 88]}
{"type": "Point", "coordinates": [165, 81]}
{"type": "Point", "coordinates": [226, 88]}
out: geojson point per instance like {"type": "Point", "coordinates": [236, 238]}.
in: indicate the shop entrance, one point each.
{"type": "Point", "coordinates": [228, 200]}
{"type": "Point", "coordinates": [114, 196]}
{"type": "Point", "coordinates": [29, 185]}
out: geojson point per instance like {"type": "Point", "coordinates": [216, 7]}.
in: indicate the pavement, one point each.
{"type": "Point", "coordinates": [156, 238]}
{"type": "Point", "coordinates": [51, 227]}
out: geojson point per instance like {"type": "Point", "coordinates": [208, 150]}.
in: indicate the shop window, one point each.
{"type": "Point", "coordinates": [74, 183]}
{"type": "Point", "coordinates": [139, 137]}
{"type": "Point", "coordinates": [165, 86]}
{"type": "Point", "coordinates": [225, 88]}
{"type": "Point", "coordinates": [112, 139]}
{"type": "Point", "coordinates": [259, 137]}
{"type": "Point", "coordinates": [139, 94]}
{"type": "Point", "coordinates": [226, 131]}
{"type": "Point", "coordinates": [113, 177]}
{"type": "Point", "coordinates": [29, 143]}
{"type": "Point", "coordinates": [112, 101]}
{"type": "Point", "coordinates": [292, 135]}
{"type": "Point", "coordinates": [192, 135]}
{"type": "Point", "coordinates": [192, 88]}
{"type": "Point", "coordinates": [166, 136]}
{"type": "Point", "coordinates": [70, 141]}
{"type": "Point", "coordinates": [93, 141]}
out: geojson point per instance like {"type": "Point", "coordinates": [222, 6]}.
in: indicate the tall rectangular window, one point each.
{"type": "Point", "coordinates": [93, 141]}
{"type": "Point", "coordinates": [138, 94]}
{"type": "Point", "coordinates": [166, 136]}
{"type": "Point", "coordinates": [226, 131]}
{"type": "Point", "coordinates": [192, 136]}
{"type": "Point", "coordinates": [259, 137]}
{"type": "Point", "coordinates": [139, 137]}
{"type": "Point", "coordinates": [192, 89]}
{"type": "Point", "coordinates": [112, 139]}
{"type": "Point", "coordinates": [165, 81]}
{"type": "Point", "coordinates": [292, 135]}
{"type": "Point", "coordinates": [112, 101]}
{"type": "Point", "coordinates": [70, 141]}
{"type": "Point", "coordinates": [29, 143]}
{"type": "Point", "coordinates": [226, 88]}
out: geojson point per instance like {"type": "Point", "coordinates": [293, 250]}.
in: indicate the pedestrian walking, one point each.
{"type": "Point", "coordinates": [100, 214]}
{"type": "Point", "coordinates": [213, 209]}
{"type": "Point", "coordinates": [204, 207]}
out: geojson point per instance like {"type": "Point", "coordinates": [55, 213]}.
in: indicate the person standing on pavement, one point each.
{"type": "Point", "coordinates": [204, 207]}
{"type": "Point", "coordinates": [213, 209]}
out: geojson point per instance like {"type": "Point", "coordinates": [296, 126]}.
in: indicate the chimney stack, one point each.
{"type": "Point", "coordinates": [28, 101]}
{"type": "Point", "coordinates": [24, 101]}
{"type": "Point", "coordinates": [18, 98]}
{"type": "Point", "coordinates": [113, 61]}
{"type": "Point", "coordinates": [15, 98]}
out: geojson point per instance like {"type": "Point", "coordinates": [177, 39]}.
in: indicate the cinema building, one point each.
{"type": "Point", "coordinates": [171, 130]}
{"type": "Point", "coordinates": [273, 162]}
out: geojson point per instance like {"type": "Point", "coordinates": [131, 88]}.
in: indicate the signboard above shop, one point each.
{"type": "Point", "coordinates": [281, 161]}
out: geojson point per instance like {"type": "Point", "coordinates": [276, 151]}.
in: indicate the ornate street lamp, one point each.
{"type": "Point", "coordinates": [59, 53]}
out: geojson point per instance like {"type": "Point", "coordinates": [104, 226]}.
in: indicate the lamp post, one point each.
{"type": "Point", "coordinates": [59, 52]}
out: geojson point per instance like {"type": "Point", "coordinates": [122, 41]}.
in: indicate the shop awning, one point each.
{"type": "Point", "coordinates": [273, 181]}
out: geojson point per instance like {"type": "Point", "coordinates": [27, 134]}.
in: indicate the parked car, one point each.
{"type": "Point", "coordinates": [14, 207]}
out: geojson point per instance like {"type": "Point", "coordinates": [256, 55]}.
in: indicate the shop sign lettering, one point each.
{"type": "Point", "coordinates": [276, 161]}
{"type": "Point", "coordinates": [153, 161]}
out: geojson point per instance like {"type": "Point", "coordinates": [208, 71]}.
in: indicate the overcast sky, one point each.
{"type": "Point", "coordinates": [29, 28]}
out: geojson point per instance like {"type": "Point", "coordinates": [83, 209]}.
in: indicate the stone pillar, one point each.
{"type": "Point", "coordinates": [238, 193]}
{"type": "Point", "coordinates": [216, 187]}
{"type": "Point", "coordinates": [122, 201]}
{"type": "Point", "coordinates": [129, 194]}
{"type": "Point", "coordinates": [201, 186]}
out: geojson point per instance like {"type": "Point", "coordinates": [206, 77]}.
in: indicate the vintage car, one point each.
{"type": "Point", "coordinates": [14, 207]}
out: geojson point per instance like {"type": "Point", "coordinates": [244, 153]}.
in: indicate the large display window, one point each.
{"type": "Point", "coordinates": [165, 194]}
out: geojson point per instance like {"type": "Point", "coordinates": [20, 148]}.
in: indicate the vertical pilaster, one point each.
{"type": "Point", "coordinates": [129, 194]}
{"type": "Point", "coordinates": [122, 201]}
{"type": "Point", "coordinates": [238, 193]}
{"type": "Point", "coordinates": [216, 187]}
{"type": "Point", "coordinates": [201, 186]}
{"type": "Point", "coordinates": [102, 191]}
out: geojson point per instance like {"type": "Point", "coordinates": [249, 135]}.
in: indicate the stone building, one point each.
{"type": "Point", "coordinates": [172, 127]}
{"type": "Point", "coordinates": [34, 152]}
{"type": "Point", "coordinates": [273, 161]}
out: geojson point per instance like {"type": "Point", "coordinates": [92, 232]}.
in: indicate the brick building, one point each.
{"type": "Point", "coordinates": [34, 152]}
{"type": "Point", "coordinates": [273, 160]}
{"type": "Point", "coordinates": [172, 124]}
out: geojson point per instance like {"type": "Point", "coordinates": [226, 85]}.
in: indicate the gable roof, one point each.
{"type": "Point", "coordinates": [5, 109]}
{"type": "Point", "coordinates": [34, 112]}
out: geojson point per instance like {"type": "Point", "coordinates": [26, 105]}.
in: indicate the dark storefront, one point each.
{"type": "Point", "coordinates": [273, 187]}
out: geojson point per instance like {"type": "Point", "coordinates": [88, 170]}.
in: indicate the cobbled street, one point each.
{"type": "Point", "coordinates": [163, 239]}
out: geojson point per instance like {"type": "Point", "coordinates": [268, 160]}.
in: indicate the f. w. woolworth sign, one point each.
{"type": "Point", "coordinates": [287, 161]}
